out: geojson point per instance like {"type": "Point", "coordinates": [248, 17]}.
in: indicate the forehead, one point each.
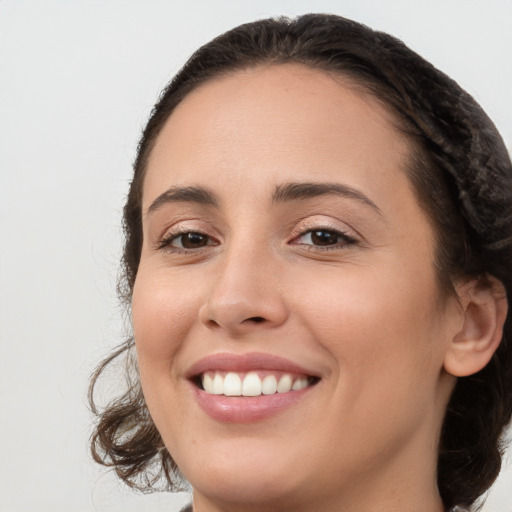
{"type": "Point", "coordinates": [280, 119]}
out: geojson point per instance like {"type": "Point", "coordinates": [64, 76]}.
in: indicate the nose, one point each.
{"type": "Point", "coordinates": [246, 294]}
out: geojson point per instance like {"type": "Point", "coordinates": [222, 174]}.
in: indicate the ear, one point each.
{"type": "Point", "coordinates": [484, 308]}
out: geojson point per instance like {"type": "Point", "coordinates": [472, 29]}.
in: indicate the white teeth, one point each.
{"type": "Point", "coordinates": [251, 385]}
{"type": "Point", "coordinates": [207, 383]}
{"type": "Point", "coordinates": [269, 385]}
{"type": "Point", "coordinates": [218, 384]}
{"type": "Point", "coordinates": [231, 384]}
{"type": "Point", "coordinates": [285, 384]}
{"type": "Point", "coordinates": [299, 384]}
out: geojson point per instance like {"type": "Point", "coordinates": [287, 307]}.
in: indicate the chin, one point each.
{"type": "Point", "coordinates": [253, 476]}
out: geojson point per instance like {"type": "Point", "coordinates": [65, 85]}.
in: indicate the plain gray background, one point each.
{"type": "Point", "coordinates": [77, 81]}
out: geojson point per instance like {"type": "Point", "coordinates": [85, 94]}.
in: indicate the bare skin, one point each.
{"type": "Point", "coordinates": [339, 281]}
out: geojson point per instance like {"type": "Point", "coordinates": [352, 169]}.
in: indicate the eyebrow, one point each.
{"type": "Point", "coordinates": [200, 195]}
{"type": "Point", "coordinates": [297, 191]}
{"type": "Point", "coordinates": [283, 193]}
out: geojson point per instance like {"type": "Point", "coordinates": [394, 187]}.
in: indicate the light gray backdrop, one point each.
{"type": "Point", "coordinates": [77, 81]}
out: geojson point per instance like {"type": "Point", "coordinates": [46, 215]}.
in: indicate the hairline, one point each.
{"type": "Point", "coordinates": [412, 163]}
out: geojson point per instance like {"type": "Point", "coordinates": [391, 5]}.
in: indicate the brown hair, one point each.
{"type": "Point", "coordinates": [461, 174]}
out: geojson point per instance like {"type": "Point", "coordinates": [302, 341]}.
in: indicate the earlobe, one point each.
{"type": "Point", "coordinates": [484, 304]}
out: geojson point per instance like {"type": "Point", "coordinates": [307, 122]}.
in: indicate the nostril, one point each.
{"type": "Point", "coordinates": [255, 319]}
{"type": "Point", "coordinates": [212, 324]}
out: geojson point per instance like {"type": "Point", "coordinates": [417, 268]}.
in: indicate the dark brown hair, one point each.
{"type": "Point", "coordinates": [461, 174]}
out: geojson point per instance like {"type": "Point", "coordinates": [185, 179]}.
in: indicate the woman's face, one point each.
{"type": "Point", "coordinates": [283, 246]}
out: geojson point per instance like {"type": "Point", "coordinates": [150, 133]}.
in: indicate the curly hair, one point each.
{"type": "Point", "coordinates": [462, 177]}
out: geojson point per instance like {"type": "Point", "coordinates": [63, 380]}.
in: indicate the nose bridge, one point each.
{"type": "Point", "coordinates": [245, 293]}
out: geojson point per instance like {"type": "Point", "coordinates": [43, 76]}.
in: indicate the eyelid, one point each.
{"type": "Point", "coordinates": [348, 237]}
{"type": "Point", "coordinates": [344, 242]}
{"type": "Point", "coordinates": [320, 223]}
{"type": "Point", "coordinates": [314, 223]}
{"type": "Point", "coordinates": [167, 240]}
{"type": "Point", "coordinates": [181, 228]}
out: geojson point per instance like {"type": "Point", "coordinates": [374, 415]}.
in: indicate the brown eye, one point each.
{"type": "Point", "coordinates": [190, 240]}
{"type": "Point", "coordinates": [322, 237]}
{"type": "Point", "coordinates": [325, 238]}
{"type": "Point", "coordinates": [185, 241]}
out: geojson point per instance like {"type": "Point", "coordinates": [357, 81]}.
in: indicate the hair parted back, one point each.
{"type": "Point", "coordinates": [462, 176]}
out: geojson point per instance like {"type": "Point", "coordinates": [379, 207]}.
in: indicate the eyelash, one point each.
{"type": "Point", "coordinates": [170, 237]}
{"type": "Point", "coordinates": [345, 240]}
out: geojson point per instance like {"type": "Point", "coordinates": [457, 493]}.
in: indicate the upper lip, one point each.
{"type": "Point", "coordinates": [229, 362]}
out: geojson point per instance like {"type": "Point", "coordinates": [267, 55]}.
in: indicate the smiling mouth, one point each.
{"type": "Point", "coordinates": [253, 383]}
{"type": "Point", "coordinates": [249, 388]}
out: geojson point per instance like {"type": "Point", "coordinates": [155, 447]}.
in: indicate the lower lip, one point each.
{"type": "Point", "coordinates": [247, 409]}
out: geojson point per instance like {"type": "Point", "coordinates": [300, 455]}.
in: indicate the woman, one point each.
{"type": "Point", "coordinates": [317, 258]}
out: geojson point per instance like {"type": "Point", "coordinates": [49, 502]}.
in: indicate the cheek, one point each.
{"type": "Point", "coordinates": [384, 338]}
{"type": "Point", "coordinates": [375, 321]}
{"type": "Point", "coordinates": [162, 314]}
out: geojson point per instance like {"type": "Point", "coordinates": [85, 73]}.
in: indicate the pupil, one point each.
{"type": "Point", "coordinates": [324, 238]}
{"type": "Point", "coordinates": [193, 240]}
